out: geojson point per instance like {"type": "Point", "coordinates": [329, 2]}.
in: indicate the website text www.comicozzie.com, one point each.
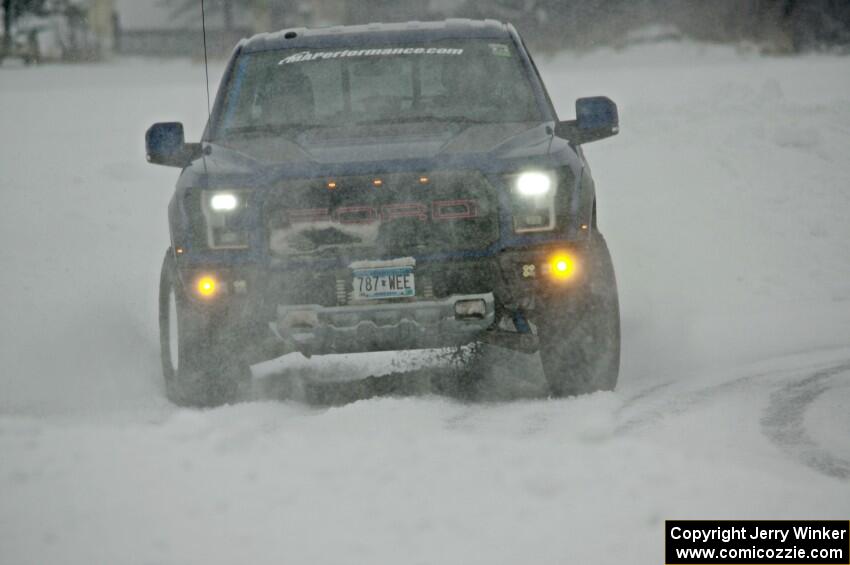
{"type": "Point", "coordinates": [769, 553]}
{"type": "Point", "coordinates": [811, 542]}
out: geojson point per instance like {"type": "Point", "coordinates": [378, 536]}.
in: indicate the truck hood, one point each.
{"type": "Point", "coordinates": [380, 144]}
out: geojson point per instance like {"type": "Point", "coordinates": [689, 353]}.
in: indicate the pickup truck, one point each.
{"type": "Point", "coordinates": [385, 187]}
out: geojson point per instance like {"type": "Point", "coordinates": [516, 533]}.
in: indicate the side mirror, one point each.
{"type": "Point", "coordinates": [596, 118]}
{"type": "Point", "coordinates": [165, 144]}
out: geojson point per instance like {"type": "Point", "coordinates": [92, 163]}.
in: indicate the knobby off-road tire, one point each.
{"type": "Point", "coordinates": [199, 365]}
{"type": "Point", "coordinates": [580, 349]}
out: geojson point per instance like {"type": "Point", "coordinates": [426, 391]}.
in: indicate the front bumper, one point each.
{"type": "Point", "coordinates": [309, 309]}
{"type": "Point", "coordinates": [381, 326]}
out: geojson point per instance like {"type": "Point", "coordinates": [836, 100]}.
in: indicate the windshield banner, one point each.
{"type": "Point", "coordinates": [349, 53]}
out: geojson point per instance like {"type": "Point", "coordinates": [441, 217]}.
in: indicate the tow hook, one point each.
{"type": "Point", "coordinates": [521, 339]}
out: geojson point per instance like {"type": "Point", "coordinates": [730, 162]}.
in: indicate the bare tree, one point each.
{"type": "Point", "coordinates": [7, 26]}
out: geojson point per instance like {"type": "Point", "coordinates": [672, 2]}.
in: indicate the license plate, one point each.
{"type": "Point", "coordinates": [384, 282]}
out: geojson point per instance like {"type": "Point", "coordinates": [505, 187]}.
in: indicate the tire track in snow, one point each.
{"type": "Point", "coordinates": [641, 395]}
{"type": "Point", "coordinates": [783, 422]}
{"type": "Point", "coordinates": [665, 407]}
{"type": "Point", "coordinates": [679, 404]}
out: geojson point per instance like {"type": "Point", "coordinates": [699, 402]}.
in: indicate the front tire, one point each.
{"type": "Point", "coordinates": [580, 348]}
{"type": "Point", "coordinates": [197, 367]}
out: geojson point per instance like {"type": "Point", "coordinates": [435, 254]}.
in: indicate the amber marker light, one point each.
{"type": "Point", "coordinates": [377, 183]}
{"type": "Point", "coordinates": [563, 266]}
{"type": "Point", "coordinates": [424, 180]}
{"type": "Point", "coordinates": [332, 185]}
{"type": "Point", "coordinates": [206, 286]}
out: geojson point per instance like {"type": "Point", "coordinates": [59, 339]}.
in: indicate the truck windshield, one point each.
{"type": "Point", "coordinates": [459, 81]}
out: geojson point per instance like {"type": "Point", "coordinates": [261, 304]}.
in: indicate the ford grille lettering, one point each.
{"type": "Point", "coordinates": [440, 211]}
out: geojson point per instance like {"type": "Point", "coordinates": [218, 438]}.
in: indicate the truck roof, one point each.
{"type": "Point", "coordinates": [375, 34]}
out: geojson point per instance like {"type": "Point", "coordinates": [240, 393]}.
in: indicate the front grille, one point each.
{"type": "Point", "coordinates": [401, 215]}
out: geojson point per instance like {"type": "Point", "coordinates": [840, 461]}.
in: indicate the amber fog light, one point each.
{"type": "Point", "coordinates": [563, 266]}
{"type": "Point", "coordinates": [206, 286]}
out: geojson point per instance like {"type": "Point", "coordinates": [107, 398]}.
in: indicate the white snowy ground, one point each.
{"type": "Point", "coordinates": [725, 201]}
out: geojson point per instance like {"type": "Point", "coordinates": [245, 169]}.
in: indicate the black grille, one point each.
{"type": "Point", "coordinates": [379, 216]}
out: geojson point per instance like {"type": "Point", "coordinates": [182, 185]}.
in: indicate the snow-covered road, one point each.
{"type": "Point", "coordinates": [725, 201]}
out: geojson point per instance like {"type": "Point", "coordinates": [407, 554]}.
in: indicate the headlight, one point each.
{"type": "Point", "coordinates": [533, 201]}
{"type": "Point", "coordinates": [225, 216]}
{"type": "Point", "coordinates": [533, 184]}
{"type": "Point", "coordinates": [223, 201]}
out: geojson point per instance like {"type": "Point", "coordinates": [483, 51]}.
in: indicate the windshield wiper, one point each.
{"type": "Point", "coordinates": [270, 128]}
{"type": "Point", "coordinates": [300, 127]}
{"type": "Point", "coordinates": [408, 119]}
